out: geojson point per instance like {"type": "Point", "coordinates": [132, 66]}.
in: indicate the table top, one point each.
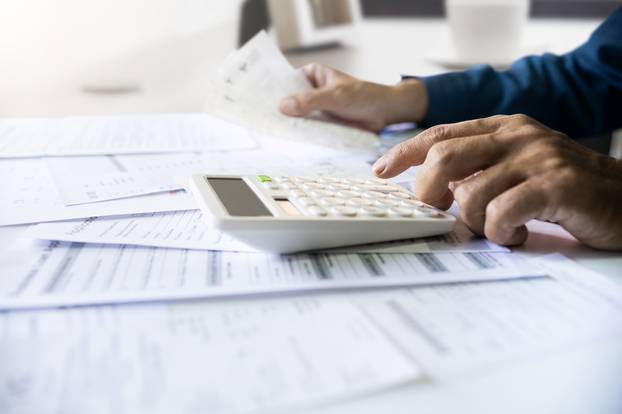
{"type": "Point", "coordinates": [174, 77]}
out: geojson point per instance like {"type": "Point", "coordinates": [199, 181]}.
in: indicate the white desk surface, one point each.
{"type": "Point", "coordinates": [174, 78]}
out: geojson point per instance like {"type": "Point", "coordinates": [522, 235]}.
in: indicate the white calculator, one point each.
{"type": "Point", "coordinates": [284, 214]}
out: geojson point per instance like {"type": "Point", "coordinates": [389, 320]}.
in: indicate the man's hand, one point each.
{"type": "Point", "coordinates": [506, 170]}
{"type": "Point", "coordinates": [364, 104]}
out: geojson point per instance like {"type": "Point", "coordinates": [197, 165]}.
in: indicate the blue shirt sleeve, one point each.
{"type": "Point", "coordinates": [579, 93]}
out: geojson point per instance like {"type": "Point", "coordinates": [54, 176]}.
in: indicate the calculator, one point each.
{"type": "Point", "coordinates": [284, 214]}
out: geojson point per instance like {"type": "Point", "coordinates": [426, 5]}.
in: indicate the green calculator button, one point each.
{"type": "Point", "coordinates": [264, 179]}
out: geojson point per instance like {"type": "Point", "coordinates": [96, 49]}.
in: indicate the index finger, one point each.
{"type": "Point", "coordinates": [414, 151]}
{"type": "Point", "coordinates": [319, 75]}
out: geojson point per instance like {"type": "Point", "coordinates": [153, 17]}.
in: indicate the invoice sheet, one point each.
{"type": "Point", "coordinates": [194, 358]}
{"type": "Point", "coordinates": [463, 327]}
{"type": "Point", "coordinates": [190, 230]}
{"type": "Point", "coordinates": [125, 134]}
{"type": "Point", "coordinates": [249, 86]}
{"type": "Point", "coordinates": [43, 273]}
{"type": "Point", "coordinates": [180, 229]}
{"type": "Point", "coordinates": [29, 196]}
{"type": "Point", "coordinates": [118, 176]}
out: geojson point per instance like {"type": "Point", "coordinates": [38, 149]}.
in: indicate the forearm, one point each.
{"type": "Point", "coordinates": [408, 101]}
{"type": "Point", "coordinates": [540, 86]}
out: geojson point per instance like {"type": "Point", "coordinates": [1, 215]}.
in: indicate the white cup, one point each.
{"type": "Point", "coordinates": [487, 31]}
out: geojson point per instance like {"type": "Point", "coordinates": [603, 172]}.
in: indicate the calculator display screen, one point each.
{"type": "Point", "coordinates": [238, 198]}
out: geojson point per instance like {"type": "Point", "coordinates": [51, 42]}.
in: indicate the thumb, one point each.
{"type": "Point", "coordinates": [303, 103]}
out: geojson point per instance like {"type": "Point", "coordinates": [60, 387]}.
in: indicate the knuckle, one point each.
{"type": "Point", "coordinates": [312, 66]}
{"type": "Point", "coordinates": [470, 208]}
{"type": "Point", "coordinates": [498, 120]}
{"type": "Point", "coordinates": [549, 147]}
{"type": "Point", "coordinates": [437, 133]}
{"type": "Point", "coordinates": [499, 117]}
{"type": "Point", "coordinates": [494, 211]}
{"type": "Point", "coordinates": [440, 154]}
{"type": "Point", "coordinates": [529, 130]}
{"type": "Point", "coordinates": [553, 155]}
{"type": "Point", "coordinates": [306, 97]}
{"type": "Point", "coordinates": [464, 197]}
{"type": "Point", "coordinates": [568, 175]}
{"type": "Point", "coordinates": [404, 149]}
{"type": "Point", "coordinates": [521, 119]}
{"type": "Point", "coordinates": [553, 161]}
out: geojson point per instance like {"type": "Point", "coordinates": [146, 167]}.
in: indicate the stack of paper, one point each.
{"type": "Point", "coordinates": [230, 357]}
{"type": "Point", "coordinates": [113, 226]}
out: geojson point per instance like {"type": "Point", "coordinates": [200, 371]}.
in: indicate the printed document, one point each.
{"type": "Point", "coordinates": [250, 84]}
{"type": "Point", "coordinates": [190, 230]}
{"type": "Point", "coordinates": [40, 274]}
{"type": "Point", "coordinates": [461, 327]}
{"type": "Point", "coordinates": [118, 176]}
{"type": "Point", "coordinates": [194, 358]}
{"type": "Point", "coordinates": [126, 134]}
{"type": "Point", "coordinates": [30, 197]}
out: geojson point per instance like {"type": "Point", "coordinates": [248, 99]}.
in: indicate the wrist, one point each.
{"type": "Point", "coordinates": [409, 103]}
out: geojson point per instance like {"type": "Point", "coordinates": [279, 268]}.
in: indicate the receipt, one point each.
{"type": "Point", "coordinates": [250, 84]}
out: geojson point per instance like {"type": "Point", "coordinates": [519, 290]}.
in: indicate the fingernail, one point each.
{"type": "Point", "coordinates": [290, 106]}
{"type": "Point", "coordinates": [380, 165]}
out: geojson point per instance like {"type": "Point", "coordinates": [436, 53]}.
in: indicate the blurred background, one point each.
{"type": "Point", "coordinates": [539, 8]}
{"type": "Point", "coordinates": [66, 57]}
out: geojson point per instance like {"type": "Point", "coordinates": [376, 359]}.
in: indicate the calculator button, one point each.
{"type": "Point", "coordinates": [427, 212]}
{"type": "Point", "coordinates": [400, 194]}
{"type": "Point", "coordinates": [321, 193]}
{"type": "Point", "coordinates": [332, 201]}
{"type": "Point", "coordinates": [390, 189]}
{"type": "Point", "coordinates": [288, 185]}
{"type": "Point", "coordinates": [373, 211]}
{"type": "Point", "coordinates": [297, 193]}
{"type": "Point", "coordinates": [360, 202]}
{"type": "Point", "coordinates": [338, 187]}
{"type": "Point", "coordinates": [373, 194]}
{"type": "Point", "coordinates": [343, 211]}
{"type": "Point", "coordinates": [304, 201]}
{"type": "Point", "coordinates": [347, 194]}
{"type": "Point", "coordinates": [365, 187]}
{"type": "Point", "coordinates": [328, 180]}
{"type": "Point", "coordinates": [304, 180]}
{"type": "Point", "coordinates": [317, 211]}
{"type": "Point", "coordinates": [379, 186]}
{"type": "Point", "coordinates": [270, 185]}
{"type": "Point", "coordinates": [400, 211]}
{"type": "Point", "coordinates": [352, 181]}
{"type": "Point", "coordinates": [386, 202]}
{"type": "Point", "coordinates": [411, 203]}
{"type": "Point", "coordinates": [312, 186]}
{"type": "Point", "coordinates": [384, 188]}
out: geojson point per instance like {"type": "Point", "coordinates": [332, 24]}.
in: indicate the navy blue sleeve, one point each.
{"type": "Point", "coordinates": [579, 93]}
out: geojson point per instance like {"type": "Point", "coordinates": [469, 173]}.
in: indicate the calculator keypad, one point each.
{"type": "Point", "coordinates": [350, 198]}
